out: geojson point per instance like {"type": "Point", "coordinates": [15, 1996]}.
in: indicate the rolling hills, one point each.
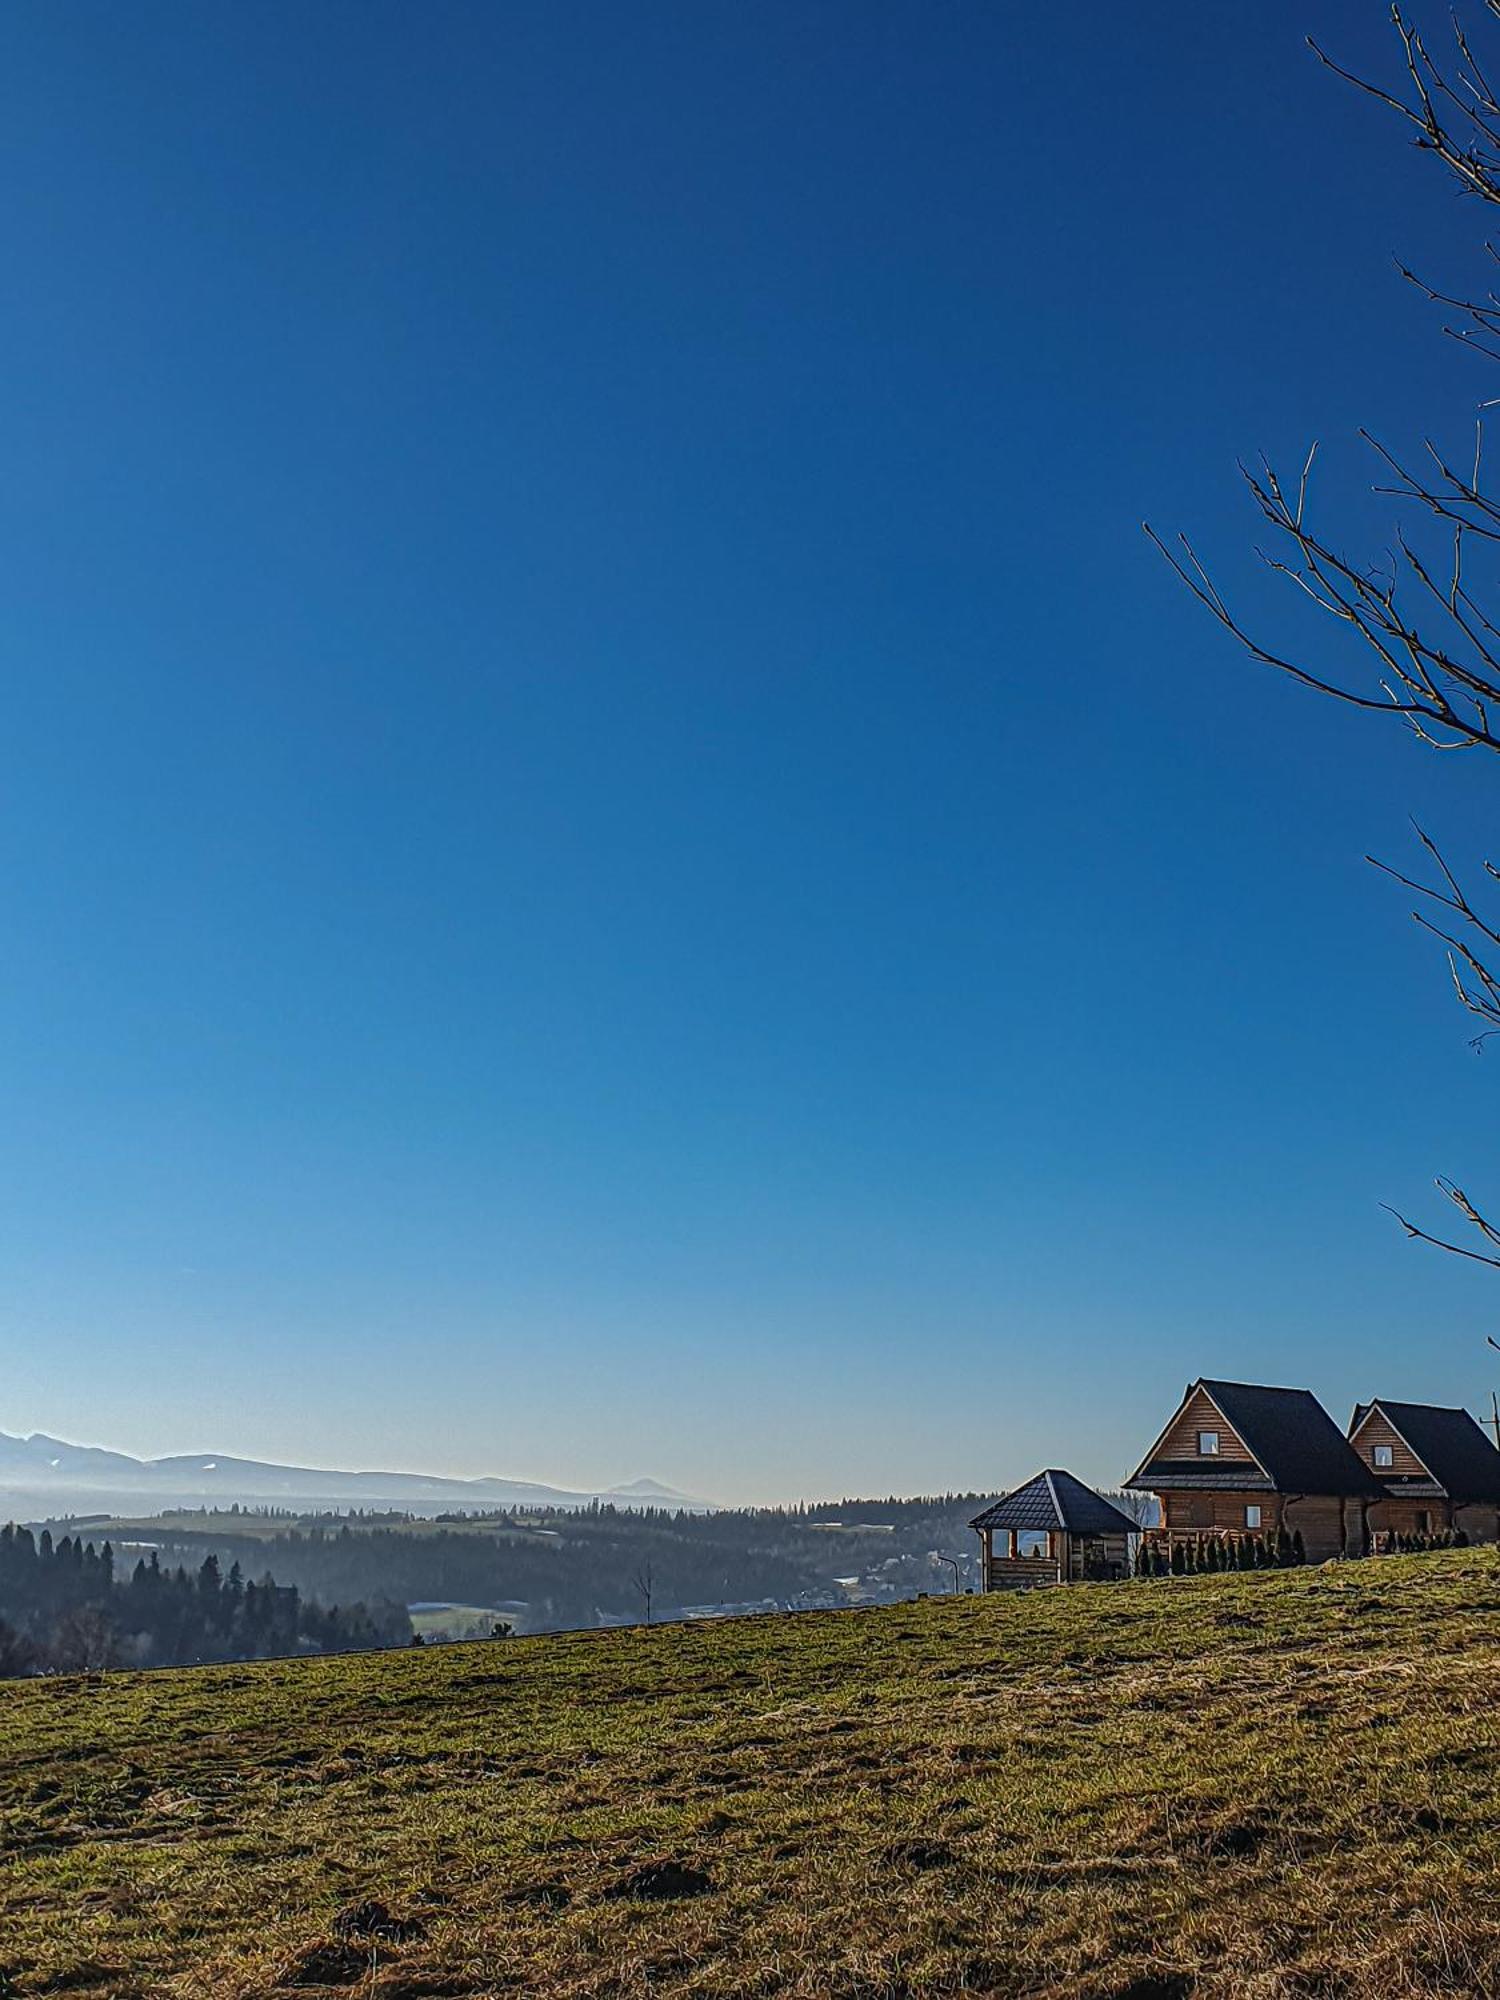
{"type": "Point", "coordinates": [1275, 1786]}
{"type": "Point", "coordinates": [42, 1476]}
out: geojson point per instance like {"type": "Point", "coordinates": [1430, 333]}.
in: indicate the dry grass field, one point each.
{"type": "Point", "coordinates": [1272, 1785]}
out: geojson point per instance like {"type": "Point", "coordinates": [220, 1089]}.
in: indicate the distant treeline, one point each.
{"type": "Point", "coordinates": [578, 1567]}
{"type": "Point", "coordinates": [63, 1609]}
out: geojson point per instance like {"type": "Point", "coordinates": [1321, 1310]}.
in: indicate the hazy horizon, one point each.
{"type": "Point", "coordinates": [619, 854]}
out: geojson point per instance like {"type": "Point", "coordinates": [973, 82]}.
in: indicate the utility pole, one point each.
{"type": "Point", "coordinates": [1495, 1417]}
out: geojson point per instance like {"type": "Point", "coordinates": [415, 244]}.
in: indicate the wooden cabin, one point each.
{"type": "Point", "coordinates": [1239, 1459]}
{"type": "Point", "coordinates": [1436, 1469]}
{"type": "Point", "coordinates": [1073, 1534]}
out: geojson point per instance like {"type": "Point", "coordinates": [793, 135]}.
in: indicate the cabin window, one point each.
{"type": "Point", "coordinates": [1383, 1457]}
{"type": "Point", "coordinates": [1252, 1515]}
{"type": "Point", "coordinates": [1424, 1521]}
{"type": "Point", "coordinates": [1208, 1444]}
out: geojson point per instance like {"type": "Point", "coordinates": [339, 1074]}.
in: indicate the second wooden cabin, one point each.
{"type": "Point", "coordinates": [1436, 1469]}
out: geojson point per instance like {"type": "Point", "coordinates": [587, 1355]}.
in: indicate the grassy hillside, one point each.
{"type": "Point", "coordinates": [1269, 1785]}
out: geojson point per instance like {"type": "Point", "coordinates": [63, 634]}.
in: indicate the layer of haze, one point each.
{"type": "Point", "coordinates": [617, 857]}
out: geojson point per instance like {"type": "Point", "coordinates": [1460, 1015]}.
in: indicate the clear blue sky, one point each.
{"type": "Point", "coordinates": [617, 858]}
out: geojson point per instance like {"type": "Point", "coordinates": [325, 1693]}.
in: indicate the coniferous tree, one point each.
{"type": "Point", "coordinates": [68, 1612]}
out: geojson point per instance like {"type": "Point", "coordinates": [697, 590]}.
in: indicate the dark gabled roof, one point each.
{"type": "Point", "coordinates": [1449, 1443]}
{"type": "Point", "coordinates": [1057, 1500]}
{"type": "Point", "coordinates": [1291, 1436]}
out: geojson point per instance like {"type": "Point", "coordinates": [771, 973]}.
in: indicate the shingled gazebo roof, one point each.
{"type": "Point", "coordinates": [1057, 1501]}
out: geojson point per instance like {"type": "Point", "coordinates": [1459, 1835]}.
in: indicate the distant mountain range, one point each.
{"type": "Point", "coordinates": [41, 1477]}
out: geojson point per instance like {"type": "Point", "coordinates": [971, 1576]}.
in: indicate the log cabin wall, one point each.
{"type": "Point", "coordinates": [1414, 1517]}
{"type": "Point", "coordinates": [1480, 1521]}
{"type": "Point", "coordinates": [1328, 1526]}
{"type": "Point", "coordinates": [1220, 1513]}
{"type": "Point", "coordinates": [1199, 1414]}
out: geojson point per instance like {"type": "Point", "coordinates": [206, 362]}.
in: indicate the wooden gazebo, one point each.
{"type": "Point", "coordinates": [1084, 1538]}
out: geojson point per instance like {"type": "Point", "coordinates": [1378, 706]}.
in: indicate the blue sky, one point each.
{"type": "Point", "coordinates": [617, 857]}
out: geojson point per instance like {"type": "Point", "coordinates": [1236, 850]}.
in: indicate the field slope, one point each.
{"type": "Point", "coordinates": [1266, 1786]}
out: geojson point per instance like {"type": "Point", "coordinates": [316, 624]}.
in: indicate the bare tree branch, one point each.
{"type": "Point", "coordinates": [1430, 648]}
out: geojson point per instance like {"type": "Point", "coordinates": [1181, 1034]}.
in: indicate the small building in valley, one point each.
{"type": "Point", "coordinates": [1240, 1459]}
{"type": "Point", "coordinates": [1074, 1535]}
{"type": "Point", "coordinates": [1436, 1469]}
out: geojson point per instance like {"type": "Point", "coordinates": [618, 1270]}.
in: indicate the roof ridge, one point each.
{"type": "Point", "coordinates": [1267, 1388]}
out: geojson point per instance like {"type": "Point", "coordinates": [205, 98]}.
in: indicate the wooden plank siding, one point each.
{"type": "Point", "coordinates": [1480, 1520]}
{"type": "Point", "coordinates": [1200, 1414]}
{"type": "Point", "coordinates": [1220, 1513]}
{"type": "Point", "coordinates": [1411, 1517]}
{"type": "Point", "coordinates": [1022, 1572]}
{"type": "Point", "coordinates": [1329, 1527]}
{"type": "Point", "coordinates": [1404, 1462]}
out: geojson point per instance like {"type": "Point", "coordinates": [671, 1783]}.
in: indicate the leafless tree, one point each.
{"type": "Point", "coordinates": [645, 1583]}
{"type": "Point", "coordinates": [1424, 618]}
{"type": "Point", "coordinates": [86, 1641]}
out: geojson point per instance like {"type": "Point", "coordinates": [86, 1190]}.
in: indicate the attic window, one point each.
{"type": "Point", "coordinates": [1382, 1457]}
{"type": "Point", "coordinates": [1208, 1444]}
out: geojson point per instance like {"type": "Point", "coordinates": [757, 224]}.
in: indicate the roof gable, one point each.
{"type": "Point", "coordinates": [1448, 1442]}
{"type": "Point", "coordinates": [1293, 1441]}
{"type": "Point", "coordinates": [1177, 1444]}
{"type": "Point", "coordinates": [1055, 1500]}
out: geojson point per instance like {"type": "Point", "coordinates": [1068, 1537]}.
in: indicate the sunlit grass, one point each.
{"type": "Point", "coordinates": [1267, 1785]}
